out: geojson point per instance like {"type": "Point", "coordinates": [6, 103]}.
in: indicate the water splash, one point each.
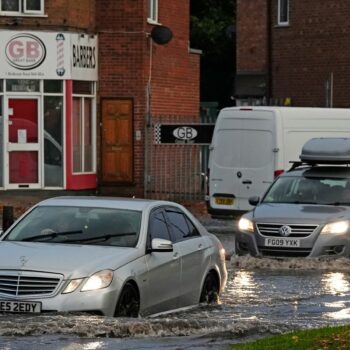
{"type": "Point", "coordinates": [248, 262]}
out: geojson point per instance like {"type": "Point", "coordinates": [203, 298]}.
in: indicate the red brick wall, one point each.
{"type": "Point", "coordinates": [252, 36]}
{"type": "Point", "coordinates": [316, 43]}
{"type": "Point", "coordinates": [124, 47]}
{"type": "Point", "coordinates": [175, 72]}
{"type": "Point", "coordinates": [60, 15]}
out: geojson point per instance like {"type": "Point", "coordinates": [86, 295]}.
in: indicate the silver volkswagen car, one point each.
{"type": "Point", "coordinates": [306, 211]}
{"type": "Point", "coordinates": [110, 256]}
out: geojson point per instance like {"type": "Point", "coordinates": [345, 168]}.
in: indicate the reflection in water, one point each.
{"type": "Point", "coordinates": [93, 345]}
{"type": "Point", "coordinates": [243, 284]}
{"type": "Point", "coordinates": [339, 315]}
{"type": "Point", "coordinates": [335, 283]}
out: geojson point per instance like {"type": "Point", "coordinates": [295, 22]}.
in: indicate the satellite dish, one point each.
{"type": "Point", "coordinates": [161, 35]}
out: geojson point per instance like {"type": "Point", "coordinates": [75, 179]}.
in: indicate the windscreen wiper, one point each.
{"type": "Point", "coordinates": [51, 234]}
{"type": "Point", "coordinates": [100, 238]}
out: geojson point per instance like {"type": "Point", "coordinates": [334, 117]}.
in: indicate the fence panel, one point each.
{"type": "Point", "coordinates": [175, 170]}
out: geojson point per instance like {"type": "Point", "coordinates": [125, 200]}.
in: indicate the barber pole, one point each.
{"type": "Point", "coordinates": [60, 54]}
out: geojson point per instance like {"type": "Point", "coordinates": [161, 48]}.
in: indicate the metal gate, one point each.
{"type": "Point", "coordinates": [175, 171]}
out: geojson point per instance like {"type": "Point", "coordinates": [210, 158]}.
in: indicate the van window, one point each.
{"type": "Point", "coordinates": [244, 148]}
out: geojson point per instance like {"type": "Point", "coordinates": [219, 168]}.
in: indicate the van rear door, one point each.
{"type": "Point", "coordinates": [242, 158]}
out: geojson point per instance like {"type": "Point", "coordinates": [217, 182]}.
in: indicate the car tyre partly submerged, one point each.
{"type": "Point", "coordinates": [210, 290]}
{"type": "Point", "coordinates": [129, 302]}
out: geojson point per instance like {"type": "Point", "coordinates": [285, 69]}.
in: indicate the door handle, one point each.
{"type": "Point", "coordinates": [175, 256]}
{"type": "Point", "coordinates": [200, 246]}
{"type": "Point", "coordinates": [247, 182]}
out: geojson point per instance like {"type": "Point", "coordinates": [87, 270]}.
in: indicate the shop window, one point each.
{"type": "Point", "coordinates": [53, 86]}
{"type": "Point", "coordinates": [22, 85]}
{"type": "Point", "coordinates": [88, 141]}
{"type": "Point", "coordinates": [283, 12]}
{"type": "Point", "coordinates": [53, 141]}
{"type": "Point", "coordinates": [83, 87]}
{"type": "Point", "coordinates": [83, 141]}
{"type": "Point", "coordinates": [153, 11]}
{"type": "Point", "coordinates": [25, 7]}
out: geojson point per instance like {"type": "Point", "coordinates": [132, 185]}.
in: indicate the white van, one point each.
{"type": "Point", "coordinates": [253, 145]}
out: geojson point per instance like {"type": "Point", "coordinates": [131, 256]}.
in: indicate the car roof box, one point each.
{"type": "Point", "coordinates": [326, 150]}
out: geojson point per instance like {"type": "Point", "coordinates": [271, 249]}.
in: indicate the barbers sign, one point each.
{"type": "Point", "coordinates": [184, 134]}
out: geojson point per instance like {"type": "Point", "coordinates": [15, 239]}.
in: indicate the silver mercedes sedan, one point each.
{"type": "Point", "coordinates": [109, 256]}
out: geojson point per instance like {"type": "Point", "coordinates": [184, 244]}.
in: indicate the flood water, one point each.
{"type": "Point", "coordinates": [263, 296]}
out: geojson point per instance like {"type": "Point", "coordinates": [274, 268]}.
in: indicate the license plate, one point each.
{"type": "Point", "coordinates": [223, 201]}
{"type": "Point", "coordinates": [20, 306]}
{"type": "Point", "coordinates": [282, 242]}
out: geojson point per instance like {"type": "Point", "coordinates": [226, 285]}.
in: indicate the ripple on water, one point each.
{"type": "Point", "coordinates": [93, 326]}
{"type": "Point", "coordinates": [317, 264]}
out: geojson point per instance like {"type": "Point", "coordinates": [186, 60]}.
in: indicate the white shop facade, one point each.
{"type": "Point", "coordinates": [48, 110]}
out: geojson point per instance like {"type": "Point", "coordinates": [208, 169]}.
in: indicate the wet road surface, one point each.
{"type": "Point", "coordinates": [263, 296]}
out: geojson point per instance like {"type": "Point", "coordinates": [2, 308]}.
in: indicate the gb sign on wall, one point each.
{"type": "Point", "coordinates": [48, 55]}
{"type": "Point", "coordinates": [184, 133]}
{"type": "Point", "coordinates": [25, 52]}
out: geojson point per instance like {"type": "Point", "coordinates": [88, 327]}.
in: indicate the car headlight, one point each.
{"type": "Point", "coordinates": [99, 280]}
{"type": "Point", "coordinates": [245, 225]}
{"type": "Point", "coordinates": [336, 227]}
{"type": "Point", "coordinates": [72, 286]}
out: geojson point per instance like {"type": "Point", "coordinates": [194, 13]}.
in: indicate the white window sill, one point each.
{"type": "Point", "coordinates": [18, 14]}
{"type": "Point", "coordinates": [282, 25]}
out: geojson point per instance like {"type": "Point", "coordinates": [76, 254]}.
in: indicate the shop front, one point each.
{"type": "Point", "coordinates": [47, 110]}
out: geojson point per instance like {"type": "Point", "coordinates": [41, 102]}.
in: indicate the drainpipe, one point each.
{"type": "Point", "coordinates": [269, 51]}
{"type": "Point", "coordinates": [148, 121]}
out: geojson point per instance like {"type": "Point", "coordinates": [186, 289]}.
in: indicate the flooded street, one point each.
{"type": "Point", "coordinates": [256, 303]}
{"type": "Point", "coordinates": [263, 296]}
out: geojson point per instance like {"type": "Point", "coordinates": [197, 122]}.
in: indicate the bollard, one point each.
{"type": "Point", "coordinates": [7, 217]}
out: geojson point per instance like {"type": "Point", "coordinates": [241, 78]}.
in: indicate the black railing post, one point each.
{"type": "Point", "coordinates": [7, 217]}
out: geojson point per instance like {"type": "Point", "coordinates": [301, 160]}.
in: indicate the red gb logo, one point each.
{"type": "Point", "coordinates": [25, 52]}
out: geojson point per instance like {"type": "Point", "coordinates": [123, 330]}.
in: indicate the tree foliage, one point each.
{"type": "Point", "coordinates": [212, 23]}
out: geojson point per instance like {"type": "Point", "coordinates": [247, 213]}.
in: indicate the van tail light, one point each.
{"type": "Point", "coordinates": [278, 172]}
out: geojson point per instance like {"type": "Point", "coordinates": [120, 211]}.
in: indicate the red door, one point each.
{"type": "Point", "coordinates": [23, 143]}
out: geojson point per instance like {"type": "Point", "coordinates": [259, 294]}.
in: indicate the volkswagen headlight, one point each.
{"type": "Point", "coordinates": [98, 280]}
{"type": "Point", "coordinates": [338, 227]}
{"type": "Point", "coordinates": [245, 225]}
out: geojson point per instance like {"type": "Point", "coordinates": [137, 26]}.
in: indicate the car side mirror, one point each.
{"type": "Point", "coordinates": [254, 200]}
{"type": "Point", "coordinates": [161, 245]}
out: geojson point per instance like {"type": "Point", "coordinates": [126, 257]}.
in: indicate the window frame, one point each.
{"type": "Point", "coordinates": [92, 98]}
{"type": "Point", "coordinates": [279, 13]}
{"type": "Point", "coordinates": [33, 12]}
{"type": "Point", "coordinates": [152, 214]}
{"type": "Point", "coordinates": [152, 11]}
{"type": "Point", "coordinates": [23, 9]}
{"type": "Point", "coordinates": [187, 221]}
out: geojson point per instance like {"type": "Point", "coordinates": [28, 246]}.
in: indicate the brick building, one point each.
{"type": "Point", "coordinates": [80, 82]}
{"type": "Point", "coordinates": [293, 51]}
